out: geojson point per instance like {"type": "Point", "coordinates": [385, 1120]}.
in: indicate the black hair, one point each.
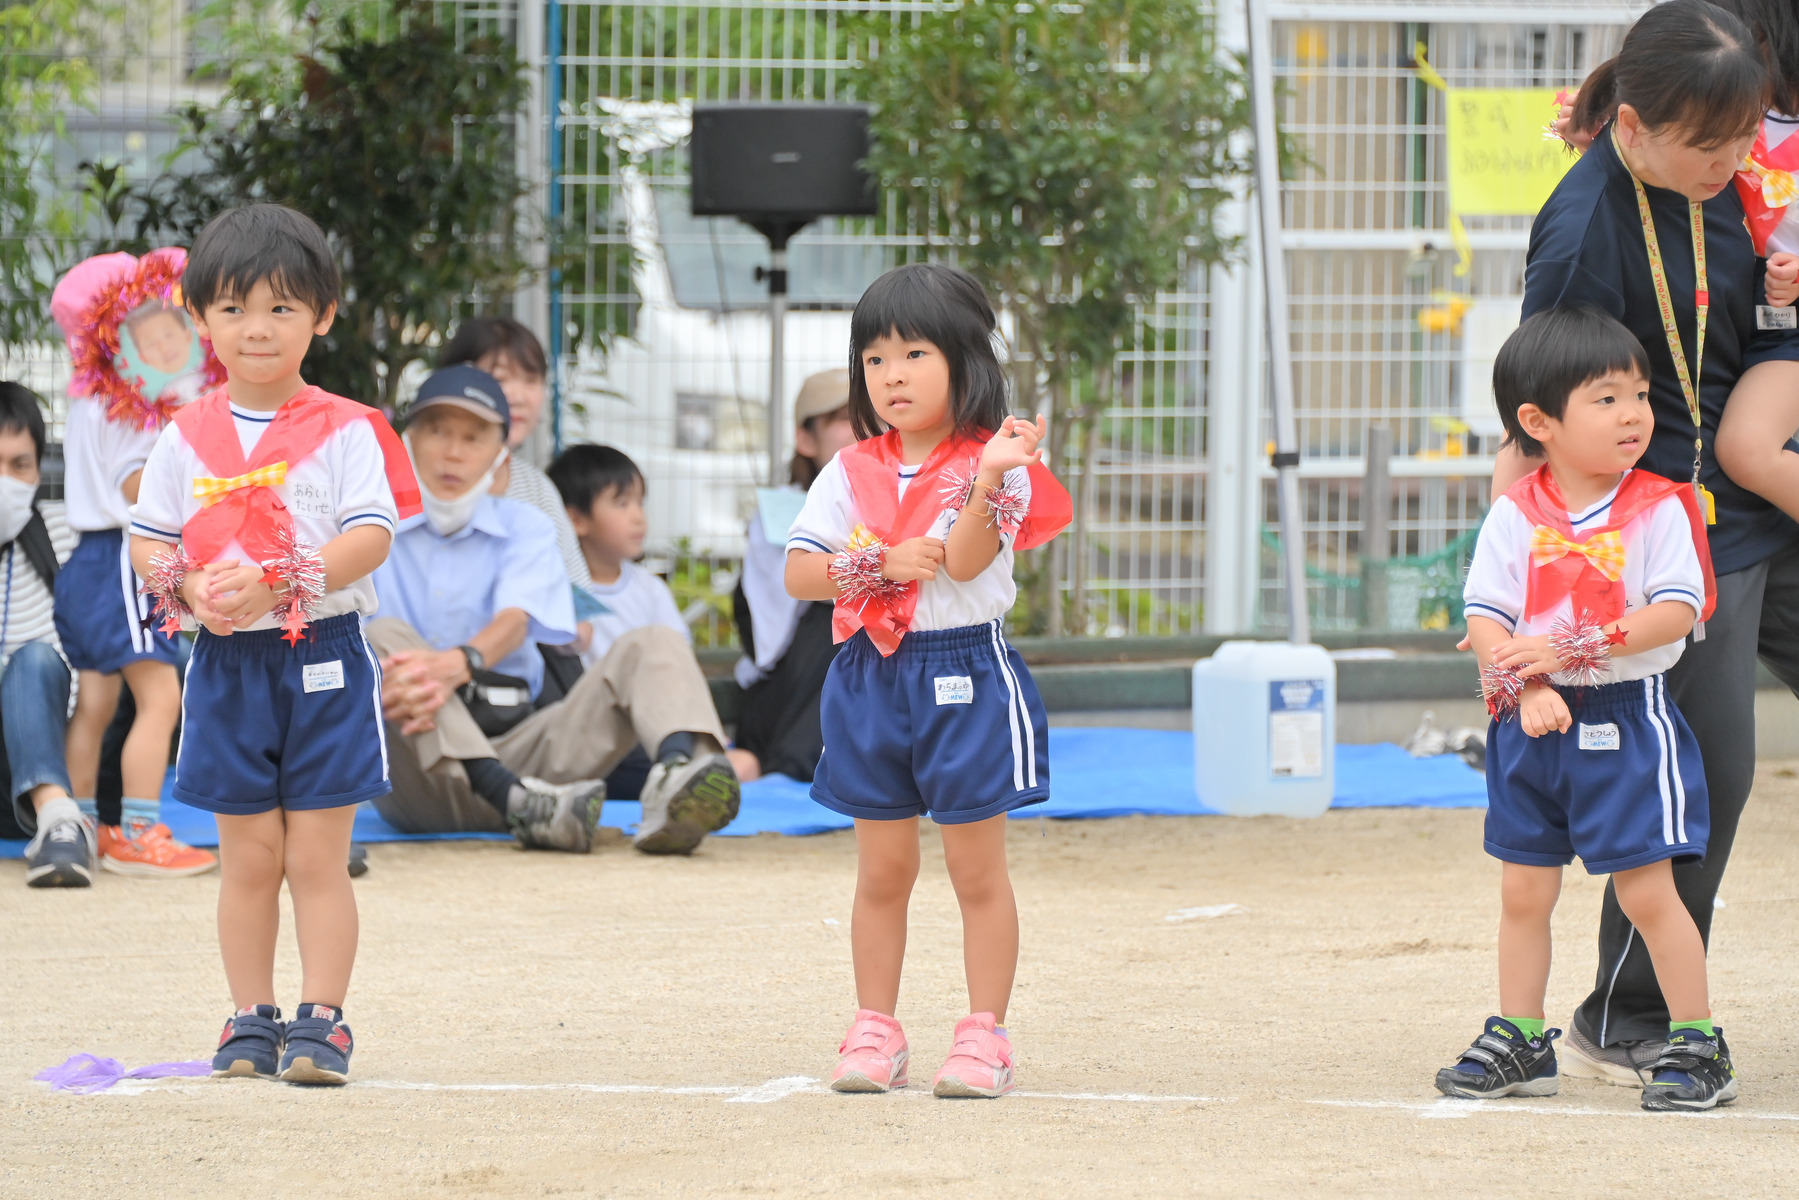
{"type": "Point", "coordinates": [241, 247]}
{"type": "Point", "coordinates": [1550, 355]}
{"type": "Point", "coordinates": [22, 410]}
{"type": "Point", "coordinates": [478, 337]}
{"type": "Point", "coordinates": [1775, 24]}
{"type": "Point", "coordinates": [585, 472]}
{"type": "Point", "coordinates": [948, 307]}
{"type": "Point", "coordinates": [1687, 64]}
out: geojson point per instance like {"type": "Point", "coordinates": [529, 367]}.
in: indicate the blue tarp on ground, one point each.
{"type": "Point", "coordinates": [1095, 772]}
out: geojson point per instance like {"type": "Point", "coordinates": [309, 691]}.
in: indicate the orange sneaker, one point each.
{"type": "Point", "coordinates": [152, 854]}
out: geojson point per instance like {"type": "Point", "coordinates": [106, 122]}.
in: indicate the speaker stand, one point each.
{"type": "Point", "coordinates": [777, 230]}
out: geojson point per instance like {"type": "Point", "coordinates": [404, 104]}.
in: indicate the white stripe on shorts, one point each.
{"type": "Point", "coordinates": [1680, 784]}
{"type": "Point", "coordinates": [1661, 774]}
{"type": "Point", "coordinates": [140, 637]}
{"type": "Point", "coordinates": [1012, 707]}
{"type": "Point", "coordinates": [1024, 712]}
{"type": "Point", "coordinates": [380, 724]}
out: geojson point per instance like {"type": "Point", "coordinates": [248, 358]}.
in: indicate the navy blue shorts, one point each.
{"type": "Point", "coordinates": [102, 620]}
{"type": "Point", "coordinates": [266, 725]}
{"type": "Point", "coordinates": [1624, 786]}
{"type": "Point", "coordinates": [950, 724]}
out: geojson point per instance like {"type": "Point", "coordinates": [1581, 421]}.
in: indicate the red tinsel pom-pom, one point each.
{"type": "Point", "coordinates": [958, 485]}
{"type": "Point", "coordinates": [857, 573]}
{"type": "Point", "coordinates": [1008, 505]}
{"type": "Point", "coordinates": [303, 571]}
{"type": "Point", "coordinates": [169, 569]}
{"type": "Point", "coordinates": [1584, 648]}
{"type": "Point", "coordinates": [1501, 687]}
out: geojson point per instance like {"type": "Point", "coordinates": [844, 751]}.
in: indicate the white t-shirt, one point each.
{"type": "Point", "coordinates": [339, 486]}
{"type": "Point", "coordinates": [829, 517]}
{"type": "Point", "coordinates": [1660, 563]}
{"type": "Point", "coordinates": [98, 456]}
{"type": "Point", "coordinates": [774, 615]}
{"type": "Point", "coordinates": [1777, 128]}
{"type": "Point", "coordinates": [637, 598]}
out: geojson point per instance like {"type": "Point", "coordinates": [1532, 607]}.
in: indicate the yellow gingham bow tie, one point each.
{"type": "Point", "coordinates": [1604, 552]}
{"type": "Point", "coordinates": [209, 490]}
{"type": "Point", "coordinates": [1778, 187]}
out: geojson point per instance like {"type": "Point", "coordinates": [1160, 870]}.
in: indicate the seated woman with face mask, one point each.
{"type": "Point", "coordinates": [472, 588]}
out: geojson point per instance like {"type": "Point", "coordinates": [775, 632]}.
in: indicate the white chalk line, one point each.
{"type": "Point", "coordinates": [1446, 1107]}
{"type": "Point", "coordinates": [1442, 1108]}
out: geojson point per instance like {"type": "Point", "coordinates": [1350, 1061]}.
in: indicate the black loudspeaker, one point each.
{"type": "Point", "coordinates": [789, 161]}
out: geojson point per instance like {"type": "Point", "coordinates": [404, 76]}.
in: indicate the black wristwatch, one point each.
{"type": "Point", "coordinates": [475, 660]}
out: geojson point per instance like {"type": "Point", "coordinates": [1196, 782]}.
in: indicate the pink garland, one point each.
{"type": "Point", "coordinates": [1584, 647]}
{"type": "Point", "coordinates": [303, 571]}
{"type": "Point", "coordinates": [857, 573]}
{"type": "Point", "coordinates": [94, 347]}
{"type": "Point", "coordinates": [169, 569]}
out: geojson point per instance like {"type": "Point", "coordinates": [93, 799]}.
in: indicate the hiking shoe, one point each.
{"type": "Point", "coordinates": [683, 801]}
{"type": "Point", "coordinates": [979, 1064]}
{"type": "Point", "coordinates": [318, 1046]}
{"type": "Point", "coordinates": [150, 852]}
{"type": "Point", "coordinates": [552, 816]}
{"type": "Point", "coordinates": [874, 1055]}
{"type": "Point", "coordinates": [1623, 1063]}
{"type": "Point", "coordinates": [250, 1043]}
{"type": "Point", "coordinates": [1693, 1074]}
{"type": "Point", "coordinates": [61, 855]}
{"type": "Point", "coordinates": [1503, 1062]}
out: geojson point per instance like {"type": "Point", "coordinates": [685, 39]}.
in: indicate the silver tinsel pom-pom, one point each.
{"type": "Point", "coordinates": [857, 573]}
{"type": "Point", "coordinates": [958, 485]}
{"type": "Point", "coordinates": [169, 569]}
{"type": "Point", "coordinates": [1501, 687]}
{"type": "Point", "coordinates": [1584, 648]}
{"type": "Point", "coordinates": [303, 571]}
{"type": "Point", "coordinates": [1008, 505]}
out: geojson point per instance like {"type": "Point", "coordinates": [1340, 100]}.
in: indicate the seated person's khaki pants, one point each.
{"type": "Point", "coordinates": [648, 686]}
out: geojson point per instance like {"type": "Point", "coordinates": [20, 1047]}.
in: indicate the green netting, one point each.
{"type": "Point", "coordinates": [1422, 593]}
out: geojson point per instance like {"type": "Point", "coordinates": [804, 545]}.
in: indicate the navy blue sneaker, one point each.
{"type": "Point", "coordinates": [1503, 1062]}
{"type": "Point", "coordinates": [250, 1043]}
{"type": "Point", "coordinates": [318, 1046]}
{"type": "Point", "coordinates": [1693, 1074]}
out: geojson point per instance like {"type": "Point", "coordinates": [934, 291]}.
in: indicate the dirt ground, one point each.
{"type": "Point", "coordinates": [614, 1025]}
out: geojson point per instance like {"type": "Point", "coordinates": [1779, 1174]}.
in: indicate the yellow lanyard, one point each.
{"type": "Point", "coordinates": [1701, 305]}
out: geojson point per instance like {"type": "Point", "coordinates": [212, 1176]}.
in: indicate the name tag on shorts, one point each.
{"type": "Point", "coordinates": [955, 689]}
{"type": "Point", "coordinates": [1599, 737]}
{"type": "Point", "coordinates": [1769, 317]}
{"type": "Point", "coordinates": [323, 677]}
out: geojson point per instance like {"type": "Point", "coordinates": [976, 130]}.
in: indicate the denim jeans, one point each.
{"type": "Point", "coordinates": [34, 716]}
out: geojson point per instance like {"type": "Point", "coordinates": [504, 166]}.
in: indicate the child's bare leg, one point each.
{"type": "Point", "coordinates": [251, 850]}
{"type": "Point", "coordinates": [1648, 898]}
{"type": "Point", "coordinates": [1762, 414]}
{"type": "Point", "coordinates": [94, 705]}
{"type": "Point", "coordinates": [1527, 899]}
{"type": "Point", "coordinates": [886, 869]}
{"type": "Point", "coordinates": [318, 842]}
{"type": "Point", "coordinates": [156, 690]}
{"type": "Point", "coordinates": [976, 857]}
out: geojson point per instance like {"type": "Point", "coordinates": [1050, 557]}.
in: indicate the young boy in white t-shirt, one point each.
{"type": "Point", "coordinates": [1587, 579]}
{"type": "Point", "coordinates": [603, 491]}
{"type": "Point", "coordinates": [263, 509]}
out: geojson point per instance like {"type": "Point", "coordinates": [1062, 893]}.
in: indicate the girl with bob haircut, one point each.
{"type": "Point", "coordinates": [1647, 228]}
{"type": "Point", "coordinates": [926, 708]}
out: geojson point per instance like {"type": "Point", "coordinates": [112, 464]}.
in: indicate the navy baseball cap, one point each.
{"type": "Point", "coordinates": [468, 388]}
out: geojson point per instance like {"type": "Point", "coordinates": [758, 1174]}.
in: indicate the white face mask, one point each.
{"type": "Point", "coordinates": [447, 517]}
{"type": "Point", "coordinates": [15, 506]}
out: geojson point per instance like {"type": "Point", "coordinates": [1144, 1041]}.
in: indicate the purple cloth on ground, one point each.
{"type": "Point", "coordinates": [89, 1073]}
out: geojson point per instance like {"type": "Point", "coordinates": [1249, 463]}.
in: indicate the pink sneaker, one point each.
{"type": "Point", "coordinates": [980, 1064]}
{"type": "Point", "coordinates": [874, 1055]}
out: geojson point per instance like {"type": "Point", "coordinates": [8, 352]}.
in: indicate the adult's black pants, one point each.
{"type": "Point", "coordinates": [1714, 686]}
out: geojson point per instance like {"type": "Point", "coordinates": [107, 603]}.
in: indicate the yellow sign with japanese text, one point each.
{"type": "Point", "coordinates": [1500, 162]}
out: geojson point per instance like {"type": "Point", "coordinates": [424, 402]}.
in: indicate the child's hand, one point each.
{"type": "Point", "coordinates": [1527, 656]}
{"type": "Point", "coordinates": [914, 558]}
{"type": "Point", "coordinates": [1580, 139]}
{"type": "Point", "coordinates": [197, 591]}
{"type": "Point", "coordinates": [1782, 279]}
{"type": "Point", "coordinates": [1014, 445]}
{"type": "Point", "coordinates": [238, 594]}
{"type": "Point", "coordinates": [1541, 708]}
